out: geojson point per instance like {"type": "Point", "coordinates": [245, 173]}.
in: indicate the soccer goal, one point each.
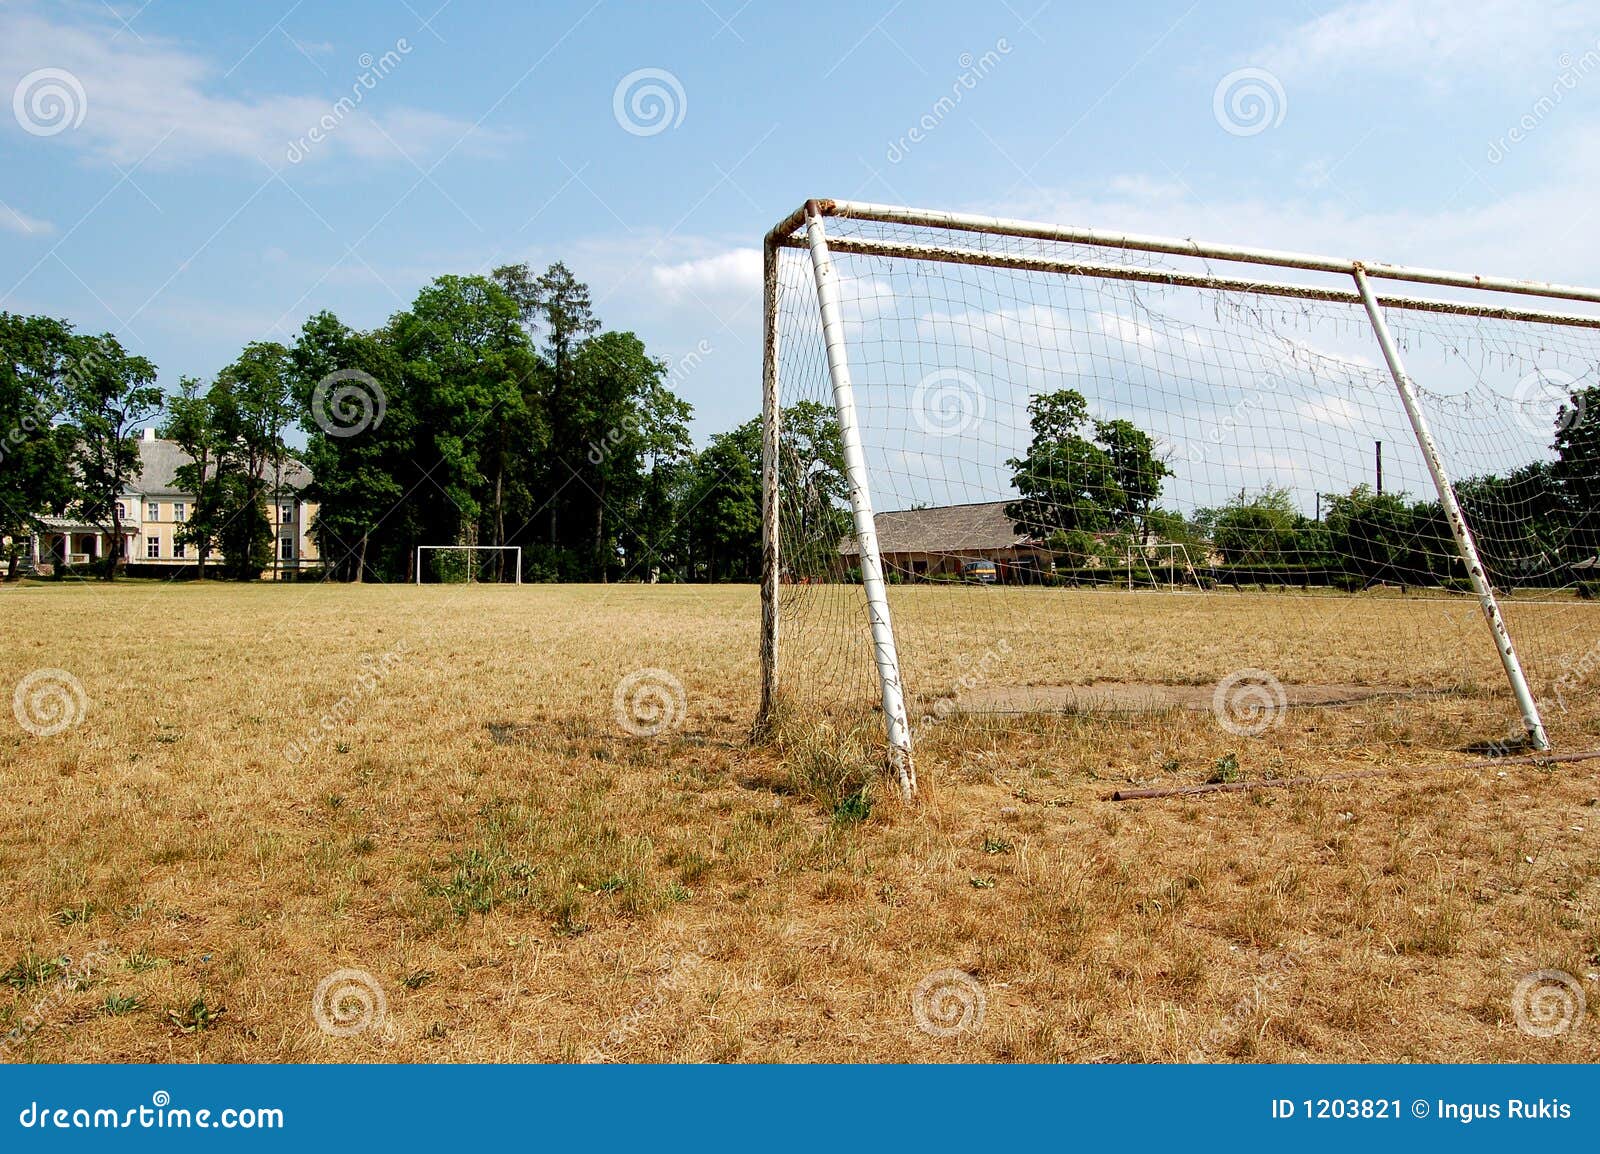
{"type": "Point", "coordinates": [1377, 488]}
{"type": "Point", "coordinates": [469, 564]}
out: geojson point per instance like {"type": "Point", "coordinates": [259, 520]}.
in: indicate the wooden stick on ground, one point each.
{"type": "Point", "coordinates": [1278, 782]}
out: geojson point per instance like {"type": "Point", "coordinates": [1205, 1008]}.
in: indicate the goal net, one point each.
{"type": "Point", "coordinates": [1344, 488]}
{"type": "Point", "coordinates": [469, 564]}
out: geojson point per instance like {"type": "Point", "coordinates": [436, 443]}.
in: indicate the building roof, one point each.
{"type": "Point", "coordinates": [160, 460]}
{"type": "Point", "coordinates": [944, 529]}
{"type": "Point", "coordinates": [68, 525]}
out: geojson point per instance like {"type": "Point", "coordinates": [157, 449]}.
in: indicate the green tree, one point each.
{"type": "Point", "coordinates": [1577, 472]}
{"type": "Point", "coordinates": [251, 408]}
{"type": "Point", "coordinates": [1381, 537]}
{"type": "Point", "coordinates": [1068, 483]}
{"type": "Point", "coordinates": [726, 504]}
{"type": "Point", "coordinates": [194, 425]}
{"type": "Point", "coordinates": [1517, 520]}
{"type": "Point", "coordinates": [466, 366]}
{"type": "Point", "coordinates": [109, 394]}
{"type": "Point", "coordinates": [1260, 529]}
{"type": "Point", "coordinates": [357, 470]}
{"type": "Point", "coordinates": [1136, 469]}
{"type": "Point", "coordinates": [34, 360]}
{"type": "Point", "coordinates": [814, 497]}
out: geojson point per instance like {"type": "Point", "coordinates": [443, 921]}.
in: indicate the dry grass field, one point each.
{"type": "Point", "coordinates": [525, 880]}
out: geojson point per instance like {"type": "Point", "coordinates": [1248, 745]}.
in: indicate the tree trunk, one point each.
{"type": "Point", "coordinates": [599, 531]}
{"type": "Point", "coordinates": [114, 546]}
{"type": "Point", "coordinates": [361, 562]}
{"type": "Point", "coordinates": [500, 521]}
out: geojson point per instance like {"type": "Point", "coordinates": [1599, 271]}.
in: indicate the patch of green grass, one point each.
{"type": "Point", "coordinates": [481, 879]}
{"type": "Point", "coordinates": [416, 979]}
{"type": "Point", "coordinates": [115, 1005]}
{"type": "Point", "coordinates": [996, 845]}
{"type": "Point", "coordinates": [74, 915]}
{"type": "Point", "coordinates": [854, 808]}
{"type": "Point", "coordinates": [196, 1017]}
{"type": "Point", "coordinates": [1225, 770]}
{"type": "Point", "coordinates": [33, 970]}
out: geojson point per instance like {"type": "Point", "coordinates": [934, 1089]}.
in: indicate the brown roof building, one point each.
{"type": "Point", "coordinates": [940, 541]}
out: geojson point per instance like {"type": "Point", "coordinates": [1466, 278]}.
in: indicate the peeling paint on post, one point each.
{"type": "Point", "coordinates": [855, 461]}
{"type": "Point", "coordinates": [1458, 523]}
{"type": "Point", "coordinates": [771, 561]}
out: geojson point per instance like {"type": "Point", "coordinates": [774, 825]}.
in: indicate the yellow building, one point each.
{"type": "Point", "coordinates": [153, 509]}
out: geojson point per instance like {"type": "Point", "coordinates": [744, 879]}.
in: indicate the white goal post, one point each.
{"type": "Point", "coordinates": [1024, 304]}
{"type": "Point", "coordinates": [472, 551]}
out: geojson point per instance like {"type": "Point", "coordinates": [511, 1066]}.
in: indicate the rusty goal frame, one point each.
{"type": "Point", "coordinates": [806, 229]}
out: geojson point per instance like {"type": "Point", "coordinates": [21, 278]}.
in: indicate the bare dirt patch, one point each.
{"type": "Point", "coordinates": [1149, 697]}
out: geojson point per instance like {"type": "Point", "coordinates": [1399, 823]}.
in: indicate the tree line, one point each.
{"type": "Point", "coordinates": [1089, 491]}
{"type": "Point", "coordinates": [495, 410]}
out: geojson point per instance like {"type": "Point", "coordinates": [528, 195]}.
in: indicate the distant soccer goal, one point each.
{"type": "Point", "coordinates": [980, 434]}
{"type": "Point", "coordinates": [469, 564]}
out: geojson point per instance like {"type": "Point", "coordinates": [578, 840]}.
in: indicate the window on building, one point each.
{"type": "Point", "coordinates": [122, 511]}
{"type": "Point", "coordinates": [178, 510]}
{"type": "Point", "coordinates": [152, 548]}
{"type": "Point", "coordinates": [286, 549]}
{"type": "Point", "coordinates": [285, 514]}
{"type": "Point", "coordinates": [180, 550]}
{"type": "Point", "coordinates": [153, 511]}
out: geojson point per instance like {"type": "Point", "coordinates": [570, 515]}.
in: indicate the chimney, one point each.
{"type": "Point", "coordinates": [150, 434]}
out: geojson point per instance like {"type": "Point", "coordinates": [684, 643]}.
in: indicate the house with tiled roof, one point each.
{"type": "Point", "coordinates": [940, 541]}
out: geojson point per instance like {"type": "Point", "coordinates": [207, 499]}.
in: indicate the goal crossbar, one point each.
{"type": "Point", "coordinates": [805, 229]}
{"type": "Point", "coordinates": [784, 235]}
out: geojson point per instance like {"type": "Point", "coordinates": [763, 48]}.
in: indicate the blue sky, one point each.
{"type": "Point", "coordinates": [167, 204]}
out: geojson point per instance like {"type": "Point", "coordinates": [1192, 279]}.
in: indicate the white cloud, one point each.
{"type": "Point", "coordinates": [15, 220]}
{"type": "Point", "coordinates": [141, 92]}
{"type": "Point", "coordinates": [1440, 42]}
{"type": "Point", "coordinates": [1340, 412]}
{"type": "Point", "coordinates": [1544, 231]}
{"type": "Point", "coordinates": [735, 271]}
